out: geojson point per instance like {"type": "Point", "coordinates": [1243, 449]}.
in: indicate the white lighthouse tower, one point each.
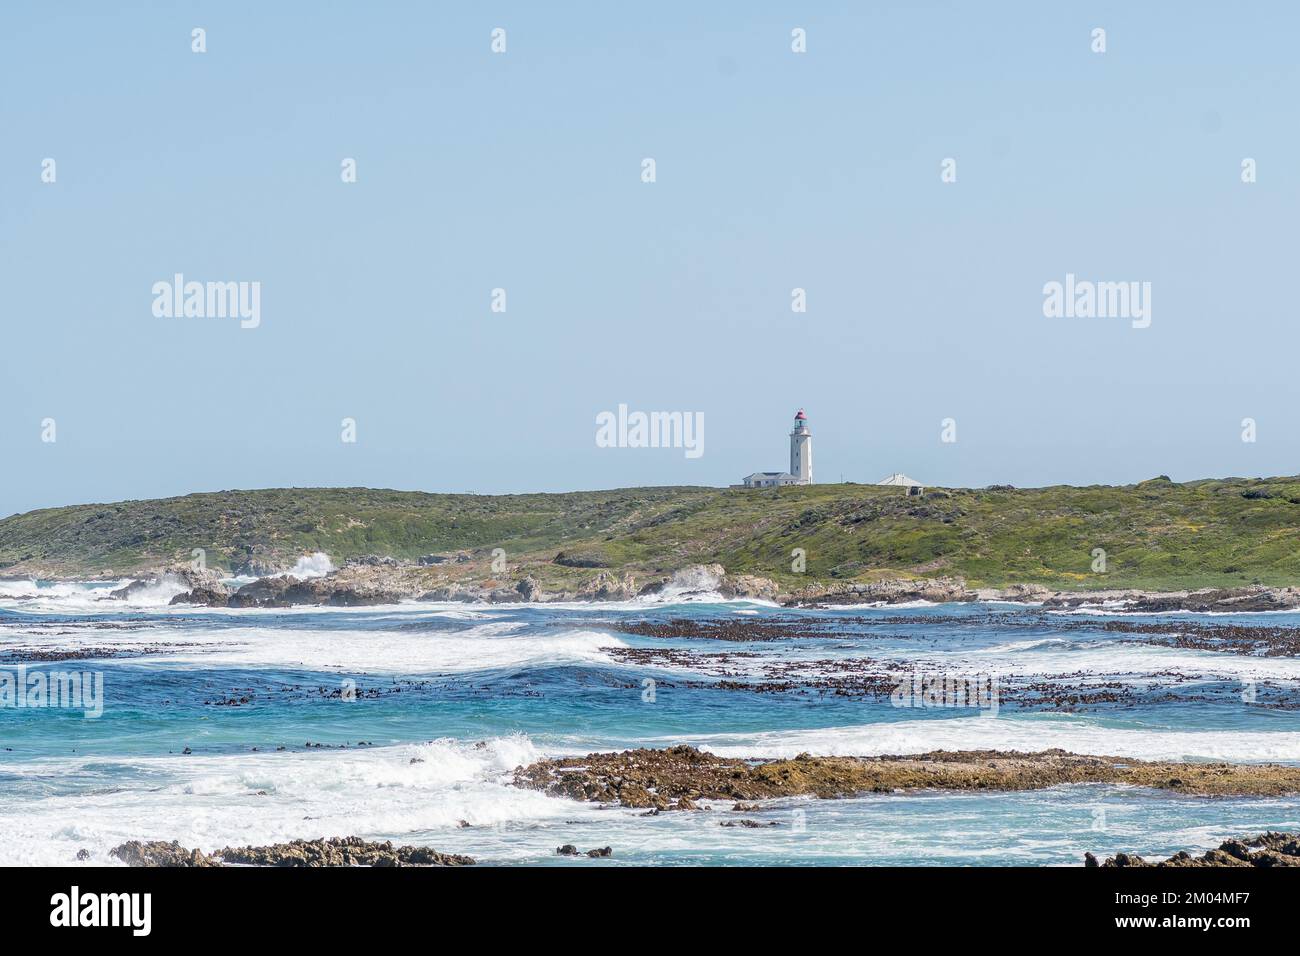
{"type": "Point", "coordinates": [801, 450]}
{"type": "Point", "coordinates": [800, 472]}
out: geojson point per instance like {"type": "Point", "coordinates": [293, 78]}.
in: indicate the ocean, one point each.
{"type": "Point", "coordinates": [404, 722]}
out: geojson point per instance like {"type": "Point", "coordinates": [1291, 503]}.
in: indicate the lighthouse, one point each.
{"type": "Point", "coordinates": [801, 450]}
{"type": "Point", "coordinates": [800, 472]}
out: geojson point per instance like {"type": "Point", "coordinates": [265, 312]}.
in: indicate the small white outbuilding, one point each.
{"type": "Point", "coordinates": [898, 478]}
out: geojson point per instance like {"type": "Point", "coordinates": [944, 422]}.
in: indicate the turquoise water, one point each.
{"type": "Point", "coordinates": [404, 722]}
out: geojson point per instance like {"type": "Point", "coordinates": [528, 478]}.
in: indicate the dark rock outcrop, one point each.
{"type": "Point", "coordinates": [344, 851]}
{"type": "Point", "coordinates": [429, 560]}
{"type": "Point", "coordinates": [1209, 600]}
{"type": "Point", "coordinates": [679, 777]}
{"type": "Point", "coordinates": [376, 561]}
{"type": "Point", "coordinates": [1266, 850]}
{"type": "Point", "coordinates": [1220, 601]}
{"type": "Point", "coordinates": [158, 853]}
{"type": "Point", "coordinates": [265, 592]}
{"type": "Point", "coordinates": [337, 851]}
{"type": "Point", "coordinates": [749, 586]}
{"type": "Point", "coordinates": [582, 559]}
{"type": "Point", "coordinates": [200, 581]}
{"type": "Point", "coordinates": [210, 597]}
{"type": "Point", "coordinates": [570, 850]}
{"type": "Point", "coordinates": [936, 590]}
{"type": "Point", "coordinates": [335, 590]}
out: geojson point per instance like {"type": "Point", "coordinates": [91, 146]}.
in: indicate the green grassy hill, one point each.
{"type": "Point", "coordinates": [276, 525]}
{"type": "Point", "coordinates": [1157, 534]}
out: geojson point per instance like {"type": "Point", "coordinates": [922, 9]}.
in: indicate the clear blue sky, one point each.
{"type": "Point", "coordinates": [522, 171]}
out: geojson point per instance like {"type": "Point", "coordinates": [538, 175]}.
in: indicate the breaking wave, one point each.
{"type": "Point", "coordinates": [312, 566]}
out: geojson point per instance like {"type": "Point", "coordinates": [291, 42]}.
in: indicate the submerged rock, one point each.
{"type": "Point", "coordinates": [570, 850]}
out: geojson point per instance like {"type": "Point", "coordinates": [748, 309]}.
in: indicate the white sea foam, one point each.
{"type": "Point", "coordinates": [93, 597]}
{"type": "Point", "coordinates": [459, 613]}
{"type": "Point", "coordinates": [1038, 643]}
{"type": "Point", "coordinates": [15, 589]}
{"type": "Point", "coordinates": [312, 566]}
{"type": "Point", "coordinates": [69, 596]}
{"type": "Point", "coordinates": [1119, 660]}
{"type": "Point", "coordinates": [87, 597]}
{"type": "Point", "coordinates": [488, 646]}
{"type": "Point", "coordinates": [1125, 609]}
{"type": "Point", "coordinates": [211, 802]}
{"type": "Point", "coordinates": [1121, 657]}
{"type": "Point", "coordinates": [1026, 733]}
{"type": "Point", "coordinates": [157, 593]}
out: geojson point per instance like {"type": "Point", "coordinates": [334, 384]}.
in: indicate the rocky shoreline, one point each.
{"type": "Point", "coordinates": [678, 777]}
{"type": "Point", "coordinates": [684, 779]}
{"type": "Point", "coordinates": [374, 580]}
{"type": "Point", "coordinates": [337, 851]}
{"type": "Point", "coordinates": [1266, 850]}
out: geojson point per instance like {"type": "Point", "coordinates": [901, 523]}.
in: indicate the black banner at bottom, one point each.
{"type": "Point", "coordinates": [300, 905]}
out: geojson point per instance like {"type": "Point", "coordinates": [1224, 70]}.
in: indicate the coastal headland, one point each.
{"type": "Point", "coordinates": [1213, 545]}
